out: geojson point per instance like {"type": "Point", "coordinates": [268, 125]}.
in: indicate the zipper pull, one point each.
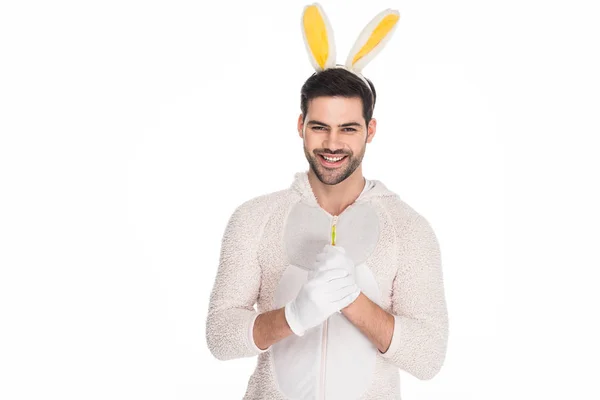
{"type": "Point", "coordinates": [333, 232]}
{"type": "Point", "coordinates": [333, 235]}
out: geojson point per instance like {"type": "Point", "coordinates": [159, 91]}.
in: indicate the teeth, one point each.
{"type": "Point", "coordinates": [333, 159]}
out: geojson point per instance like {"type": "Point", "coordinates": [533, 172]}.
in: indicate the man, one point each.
{"type": "Point", "coordinates": [346, 276]}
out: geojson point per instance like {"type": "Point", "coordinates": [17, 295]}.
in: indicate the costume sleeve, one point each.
{"type": "Point", "coordinates": [420, 334]}
{"type": "Point", "coordinates": [231, 313]}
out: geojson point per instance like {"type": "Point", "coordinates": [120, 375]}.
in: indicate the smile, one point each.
{"type": "Point", "coordinates": [332, 161]}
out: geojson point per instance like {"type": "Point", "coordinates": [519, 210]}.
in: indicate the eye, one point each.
{"type": "Point", "coordinates": [318, 128]}
{"type": "Point", "coordinates": [349, 130]}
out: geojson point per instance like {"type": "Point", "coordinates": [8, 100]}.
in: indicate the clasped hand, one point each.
{"type": "Point", "coordinates": [330, 287]}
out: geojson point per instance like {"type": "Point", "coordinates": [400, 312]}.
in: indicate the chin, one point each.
{"type": "Point", "coordinates": [330, 177]}
{"type": "Point", "coordinates": [330, 180]}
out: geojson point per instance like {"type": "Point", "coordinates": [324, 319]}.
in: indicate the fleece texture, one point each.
{"type": "Point", "coordinates": [267, 250]}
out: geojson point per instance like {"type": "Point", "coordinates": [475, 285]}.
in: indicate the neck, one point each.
{"type": "Point", "coordinates": [335, 198]}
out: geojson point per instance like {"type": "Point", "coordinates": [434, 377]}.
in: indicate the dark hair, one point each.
{"type": "Point", "coordinates": [338, 82]}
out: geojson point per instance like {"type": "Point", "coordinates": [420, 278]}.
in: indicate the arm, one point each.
{"type": "Point", "coordinates": [270, 327]}
{"type": "Point", "coordinates": [420, 335]}
{"type": "Point", "coordinates": [231, 314]}
{"type": "Point", "coordinates": [414, 335]}
{"type": "Point", "coordinates": [376, 323]}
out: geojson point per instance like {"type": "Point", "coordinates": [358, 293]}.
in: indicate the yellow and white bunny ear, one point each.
{"type": "Point", "coordinates": [372, 39]}
{"type": "Point", "coordinates": [318, 37]}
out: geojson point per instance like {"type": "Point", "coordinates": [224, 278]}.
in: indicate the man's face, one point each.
{"type": "Point", "coordinates": [334, 127]}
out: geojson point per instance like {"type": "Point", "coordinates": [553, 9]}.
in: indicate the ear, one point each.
{"type": "Point", "coordinates": [318, 37]}
{"type": "Point", "coordinates": [301, 125]}
{"type": "Point", "coordinates": [371, 129]}
{"type": "Point", "coordinates": [372, 39]}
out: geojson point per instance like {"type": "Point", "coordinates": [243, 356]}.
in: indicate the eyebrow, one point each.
{"type": "Point", "coordinates": [315, 122]}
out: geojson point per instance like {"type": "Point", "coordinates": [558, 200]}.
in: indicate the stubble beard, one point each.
{"type": "Point", "coordinates": [336, 175]}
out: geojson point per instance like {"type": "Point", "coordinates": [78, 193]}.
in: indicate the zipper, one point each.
{"type": "Point", "coordinates": [323, 357]}
{"type": "Point", "coordinates": [324, 337]}
{"type": "Point", "coordinates": [333, 237]}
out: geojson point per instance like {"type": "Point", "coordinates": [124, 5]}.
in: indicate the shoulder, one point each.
{"type": "Point", "coordinates": [416, 241]}
{"type": "Point", "coordinates": [405, 219]}
{"type": "Point", "coordinates": [253, 212]}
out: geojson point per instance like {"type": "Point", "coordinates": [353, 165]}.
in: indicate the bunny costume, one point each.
{"type": "Point", "coordinates": [268, 251]}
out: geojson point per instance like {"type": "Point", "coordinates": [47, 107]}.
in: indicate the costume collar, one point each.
{"type": "Point", "coordinates": [302, 186]}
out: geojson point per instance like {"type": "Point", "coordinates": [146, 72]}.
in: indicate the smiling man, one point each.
{"type": "Point", "coordinates": [346, 276]}
{"type": "Point", "coordinates": [336, 129]}
{"type": "Point", "coordinates": [334, 166]}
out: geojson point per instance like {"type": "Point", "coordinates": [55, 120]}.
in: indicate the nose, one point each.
{"type": "Point", "coordinates": [332, 141]}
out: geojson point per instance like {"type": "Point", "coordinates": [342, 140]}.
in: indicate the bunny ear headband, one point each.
{"type": "Point", "coordinates": [320, 45]}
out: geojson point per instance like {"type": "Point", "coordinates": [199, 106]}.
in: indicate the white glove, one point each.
{"type": "Point", "coordinates": [333, 257]}
{"type": "Point", "coordinates": [322, 295]}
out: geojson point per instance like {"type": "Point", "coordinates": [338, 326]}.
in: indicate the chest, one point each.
{"type": "Point", "coordinates": [294, 236]}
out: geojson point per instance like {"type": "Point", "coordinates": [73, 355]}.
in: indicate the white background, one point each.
{"type": "Point", "coordinates": [130, 131]}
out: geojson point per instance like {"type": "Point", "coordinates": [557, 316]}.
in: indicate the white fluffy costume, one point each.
{"type": "Point", "coordinates": [268, 250]}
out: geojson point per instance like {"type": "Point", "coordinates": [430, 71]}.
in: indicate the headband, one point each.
{"type": "Point", "coordinates": [320, 44]}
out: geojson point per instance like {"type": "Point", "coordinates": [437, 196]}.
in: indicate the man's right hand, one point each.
{"type": "Point", "coordinates": [322, 295]}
